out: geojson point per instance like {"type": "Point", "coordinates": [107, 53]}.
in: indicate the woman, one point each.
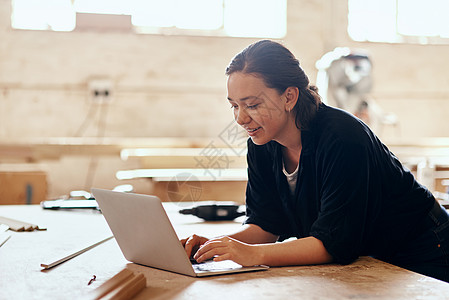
{"type": "Point", "coordinates": [321, 176]}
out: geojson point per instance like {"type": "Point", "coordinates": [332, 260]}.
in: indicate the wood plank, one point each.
{"type": "Point", "coordinates": [35, 149]}
{"type": "Point", "coordinates": [200, 191]}
{"type": "Point", "coordinates": [190, 162]}
{"type": "Point", "coordinates": [187, 157]}
{"type": "Point", "coordinates": [185, 174]}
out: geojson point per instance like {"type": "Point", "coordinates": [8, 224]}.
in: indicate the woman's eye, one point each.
{"type": "Point", "coordinates": [252, 106]}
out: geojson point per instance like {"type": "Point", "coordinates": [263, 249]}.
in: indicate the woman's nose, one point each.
{"type": "Point", "coordinates": [242, 117]}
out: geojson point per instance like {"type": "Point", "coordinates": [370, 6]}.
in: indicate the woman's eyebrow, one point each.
{"type": "Point", "coordinates": [245, 98]}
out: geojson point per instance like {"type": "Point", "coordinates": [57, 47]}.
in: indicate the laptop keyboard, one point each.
{"type": "Point", "coordinates": [215, 266]}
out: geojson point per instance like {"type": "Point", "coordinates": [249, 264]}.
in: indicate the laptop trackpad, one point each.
{"type": "Point", "coordinates": [213, 266]}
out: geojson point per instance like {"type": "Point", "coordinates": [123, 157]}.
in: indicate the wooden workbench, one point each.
{"type": "Point", "coordinates": [22, 278]}
{"type": "Point", "coordinates": [36, 149]}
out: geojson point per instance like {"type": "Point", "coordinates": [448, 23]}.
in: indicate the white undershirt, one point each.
{"type": "Point", "coordinates": [291, 178]}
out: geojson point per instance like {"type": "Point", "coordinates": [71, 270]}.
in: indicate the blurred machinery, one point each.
{"type": "Point", "coordinates": [345, 80]}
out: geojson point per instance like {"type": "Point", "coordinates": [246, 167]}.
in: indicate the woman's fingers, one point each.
{"type": "Point", "coordinates": [225, 256]}
{"type": "Point", "coordinates": [214, 249]}
{"type": "Point", "coordinates": [228, 248]}
{"type": "Point", "coordinates": [189, 244]}
{"type": "Point", "coordinates": [209, 253]}
{"type": "Point", "coordinates": [192, 243]}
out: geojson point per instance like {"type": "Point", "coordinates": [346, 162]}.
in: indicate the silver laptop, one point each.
{"type": "Point", "coordinates": [145, 235]}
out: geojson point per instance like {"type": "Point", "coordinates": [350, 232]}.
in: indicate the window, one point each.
{"type": "Point", "coordinates": [238, 18]}
{"type": "Point", "coordinates": [393, 21]}
{"type": "Point", "coordinates": [56, 15]}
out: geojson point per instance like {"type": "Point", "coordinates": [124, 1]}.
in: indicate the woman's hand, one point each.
{"type": "Point", "coordinates": [192, 243]}
{"type": "Point", "coordinates": [303, 251]}
{"type": "Point", "coordinates": [224, 248]}
{"type": "Point", "coordinates": [239, 246]}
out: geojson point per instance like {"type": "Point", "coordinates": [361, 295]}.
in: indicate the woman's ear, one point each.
{"type": "Point", "coordinates": [291, 95]}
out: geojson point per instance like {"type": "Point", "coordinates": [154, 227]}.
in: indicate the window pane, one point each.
{"type": "Point", "coordinates": [397, 20]}
{"type": "Point", "coordinates": [372, 20]}
{"type": "Point", "coordinates": [443, 18]}
{"type": "Point", "coordinates": [154, 13]}
{"type": "Point", "coordinates": [192, 14]}
{"type": "Point", "coordinates": [199, 14]}
{"type": "Point", "coordinates": [417, 17]}
{"type": "Point", "coordinates": [255, 18]}
{"type": "Point", "coordinates": [55, 15]}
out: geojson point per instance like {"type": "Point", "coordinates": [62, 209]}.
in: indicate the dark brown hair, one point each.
{"type": "Point", "coordinates": [279, 69]}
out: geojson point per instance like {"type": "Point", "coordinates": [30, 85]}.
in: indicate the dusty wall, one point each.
{"type": "Point", "coordinates": [174, 86]}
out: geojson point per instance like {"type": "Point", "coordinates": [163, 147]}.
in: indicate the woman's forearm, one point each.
{"type": "Point", "coordinates": [251, 245]}
{"type": "Point", "coordinates": [253, 234]}
{"type": "Point", "coordinates": [304, 251]}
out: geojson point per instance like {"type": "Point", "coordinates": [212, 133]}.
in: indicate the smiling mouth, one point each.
{"type": "Point", "coordinates": [250, 131]}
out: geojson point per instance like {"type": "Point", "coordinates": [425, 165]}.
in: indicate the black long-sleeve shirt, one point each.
{"type": "Point", "coordinates": [352, 193]}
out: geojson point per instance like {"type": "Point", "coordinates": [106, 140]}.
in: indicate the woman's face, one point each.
{"type": "Point", "coordinates": [260, 110]}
